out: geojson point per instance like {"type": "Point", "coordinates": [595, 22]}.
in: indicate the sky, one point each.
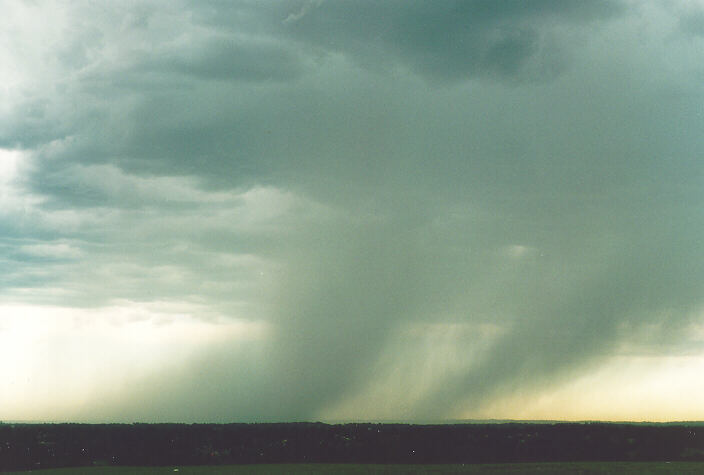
{"type": "Point", "coordinates": [299, 210]}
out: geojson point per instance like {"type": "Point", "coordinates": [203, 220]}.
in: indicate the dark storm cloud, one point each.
{"type": "Point", "coordinates": [185, 126]}
{"type": "Point", "coordinates": [345, 172]}
{"type": "Point", "coordinates": [447, 40]}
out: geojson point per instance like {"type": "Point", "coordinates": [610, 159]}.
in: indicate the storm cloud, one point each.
{"type": "Point", "coordinates": [344, 210]}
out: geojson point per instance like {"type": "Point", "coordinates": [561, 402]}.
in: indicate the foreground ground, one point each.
{"type": "Point", "coordinates": [518, 468]}
{"type": "Point", "coordinates": [352, 448]}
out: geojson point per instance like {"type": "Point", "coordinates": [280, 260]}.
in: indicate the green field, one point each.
{"type": "Point", "coordinates": [518, 468]}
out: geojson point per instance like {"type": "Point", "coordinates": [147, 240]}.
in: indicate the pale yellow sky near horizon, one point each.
{"type": "Point", "coordinates": [59, 363]}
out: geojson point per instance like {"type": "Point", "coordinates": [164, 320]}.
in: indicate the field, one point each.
{"type": "Point", "coordinates": [316, 448]}
{"type": "Point", "coordinates": [518, 468]}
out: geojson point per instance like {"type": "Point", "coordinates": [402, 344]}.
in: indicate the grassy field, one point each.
{"type": "Point", "coordinates": [524, 468]}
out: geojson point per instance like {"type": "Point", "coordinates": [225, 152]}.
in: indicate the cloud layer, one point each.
{"type": "Point", "coordinates": [413, 209]}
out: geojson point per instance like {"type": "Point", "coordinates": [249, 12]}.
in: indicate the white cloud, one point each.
{"type": "Point", "coordinates": [305, 8]}
{"type": "Point", "coordinates": [151, 191]}
{"type": "Point", "coordinates": [57, 250]}
{"type": "Point", "coordinates": [517, 251]}
{"type": "Point", "coordinates": [13, 198]}
{"type": "Point", "coordinates": [9, 165]}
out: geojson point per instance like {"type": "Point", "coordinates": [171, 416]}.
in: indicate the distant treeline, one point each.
{"type": "Point", "coordinates": [31, 446]}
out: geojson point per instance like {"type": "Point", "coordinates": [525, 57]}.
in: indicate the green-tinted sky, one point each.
{"type": "Point", "coordinates": [304, 210]}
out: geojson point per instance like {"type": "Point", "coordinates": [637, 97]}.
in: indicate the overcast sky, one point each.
{"type": "Point", "coordinates": [351, 210]}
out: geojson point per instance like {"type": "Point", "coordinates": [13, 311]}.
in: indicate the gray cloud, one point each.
{"type": "Point", "coordinates": [228, 59]}
{"type": "Point", "coordinates": [693, 22]}
{"type": "Point", "coordinates": [451, 41]}
{"type": "Point", "coordinates": [351, 173]}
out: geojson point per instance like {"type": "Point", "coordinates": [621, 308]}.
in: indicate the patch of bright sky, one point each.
{"type": "Point", "coordinates": [10, 161]}
{"type": "Point", "coordinates": [628, 388]}
{"type": "Point", "coordinates": [13, 198]}
{"type": "Point", "coordinates": [56, 359]}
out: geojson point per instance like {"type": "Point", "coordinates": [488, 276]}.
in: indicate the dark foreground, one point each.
{"type": "Point", "coordinates": [644, 468]}
{"type": "Point", "coordinates": [43, 446]}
